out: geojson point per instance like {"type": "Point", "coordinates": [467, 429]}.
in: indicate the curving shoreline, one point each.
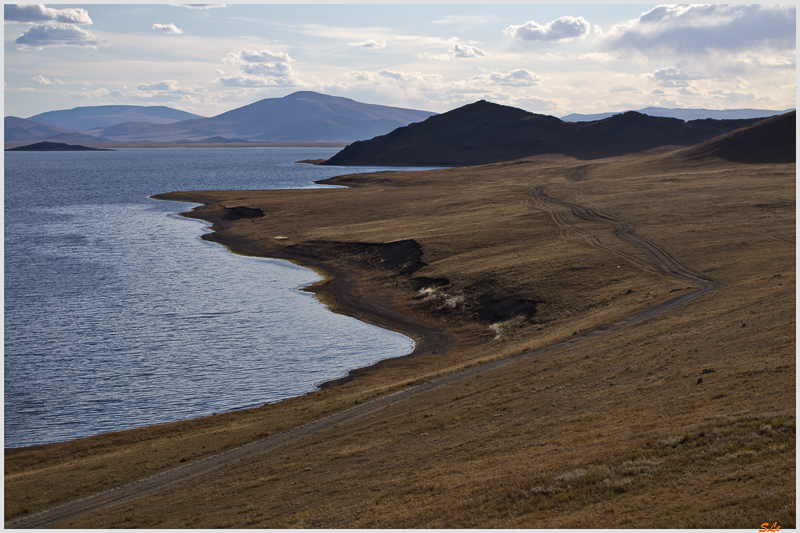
{"type": "Point", "coordinates": [617, 360]}
{"type": "Point", "coordinates": [339, 286]}
{"type": "Point", "coordinates": [336, 291]}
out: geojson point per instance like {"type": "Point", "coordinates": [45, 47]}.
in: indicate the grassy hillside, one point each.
{"type": "Point", "coordinates": [683, 420]}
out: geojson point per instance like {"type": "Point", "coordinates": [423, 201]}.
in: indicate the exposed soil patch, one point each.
{"type": "Point", "coordinates": [239, 212]}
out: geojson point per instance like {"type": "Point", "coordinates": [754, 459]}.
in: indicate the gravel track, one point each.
{"type": "Point", "coordinates": [131, 491]}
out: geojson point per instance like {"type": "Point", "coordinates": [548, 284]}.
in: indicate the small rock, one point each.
{"type": "Point", "coordinates": [699, 381]}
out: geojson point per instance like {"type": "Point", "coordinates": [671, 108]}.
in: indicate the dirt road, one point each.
{"type": "Point", "coordinates": [153, 484]}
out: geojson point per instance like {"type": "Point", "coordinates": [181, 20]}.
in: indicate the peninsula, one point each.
{"type": "Point", "coordinates": [47, 146]}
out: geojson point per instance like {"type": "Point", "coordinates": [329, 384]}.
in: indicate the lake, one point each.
{"type": "Point", "coordinates": [118, 315]}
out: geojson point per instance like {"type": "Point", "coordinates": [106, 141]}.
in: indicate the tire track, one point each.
{"type": "Point", "coordinates": [569, 231]}
{"type": "Point", "coordinates": [150, 485]}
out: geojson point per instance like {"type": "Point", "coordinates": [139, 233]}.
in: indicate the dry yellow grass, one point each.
{"type": "Point", "coordinates": [685, 420]}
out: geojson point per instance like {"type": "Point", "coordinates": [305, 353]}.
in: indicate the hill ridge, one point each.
{"type": "Point", "coordinates": [484, 132]}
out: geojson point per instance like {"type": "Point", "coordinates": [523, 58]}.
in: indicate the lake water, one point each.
{"type": "Point", "coordinates": [117, 314]}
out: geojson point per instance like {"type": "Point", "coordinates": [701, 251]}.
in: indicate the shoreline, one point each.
{"type": "Point", "coordinates": [336, 292]}
{"type": "Point", "coordinates": [586, 351]}
{"type": "Point", "coordinates": [136, 144]}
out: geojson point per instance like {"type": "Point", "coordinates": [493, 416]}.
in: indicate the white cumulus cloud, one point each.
{"type": "Point", "coordinates": [562, 29]}
{"type": "Point", "coordinates": [44, 81]}
{"type": "Point", "coordinates": [370, 44]}
{"type": "Point", "coordinates": [257, 81]}
{"type": "Point", "coordinates": [701, 28]}
{"type": "Point", "coordinates": [43, 36]}
{"type": "Point", "coordinates": [168, 85]}
{"type": "Point", "coordinates": [33, 13]}
{"type": "Point", "coordinates": [167, 28]}
{"type": "Point", "coordinates": [257, 56]}
{"type": "Point", "coordinates": [200, 6]}
{"type": "Point", "coordinates": [465, 50]}
{"type": "Point", "coordinates": [169, 88]}
{"type": "Point", "coordinates": [260, 68]}
{"type": "Point", "coordinates": [516, 78]}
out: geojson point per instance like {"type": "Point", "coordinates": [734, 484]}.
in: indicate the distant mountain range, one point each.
{"type": "Point", "coordinates": [484, 132]}
{"type": "Point", "coordinates": [301, 116]}
{"type": "Point", "coordinates": [683, 114]}
{"type": "Point", "coordinates": [89, 118]}
{"type": "Point", "coordinates": [307, 117]}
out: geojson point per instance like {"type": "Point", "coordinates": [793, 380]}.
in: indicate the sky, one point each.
{"type": "Point", "coordinates": [544, 58]}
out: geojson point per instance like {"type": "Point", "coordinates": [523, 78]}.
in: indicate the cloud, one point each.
{"type": "Point", "coordinates": [370, 44]}
{"type": "Point", "coordinates": [689, 91]}
{"type": "Point", "coordinates": [200, 6]}
{"type": "Point", "coordinates": [260, 68]}
{"type": "Point", "coordinates": [670, 73]}
{"type": "Point", "coordinates": [465, 50]}
{"type": "Point", "coordinates": [33, 13]}
{"type": "Point", "coordinates": [279, 70]}
{"type": "Point", "coordinates": [167, 28]}
{"type": "Point", "coordinates": [44, 81]}
{"type": "Point", "coordinates": [562, 29]}
{"type": "Point", "coordinates": [435, 57]}
{"type": "Point", "coordinates": [257, 81]}
{"type": "Point", "coordinates": [43, 36]}
{"type": "Point", "coordinates": [169, 85]}
{"type": "Point", "coordinates": [671, 77]}
{"type": "Point", "coordinates": [405, 77]}
{"type": "Point", "coordinates": [257, 56]}
{"type": "Point", "coordinates": [624, 89]}
{"type": "Point", "coordinates": [516, 78]}
{"type": "Point", "coordinates": [90, 95]}
{"type": "Point", "coordinates": [702, 28]}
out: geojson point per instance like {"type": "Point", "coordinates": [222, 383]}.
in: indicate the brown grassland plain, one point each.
{"type": "Point", "coordinates": [684, 420]}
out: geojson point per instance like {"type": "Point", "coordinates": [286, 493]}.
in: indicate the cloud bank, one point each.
{"type": "Point", "coordinates": [692, 29]}
{"type": "Point", "coordinates": [43, 36]}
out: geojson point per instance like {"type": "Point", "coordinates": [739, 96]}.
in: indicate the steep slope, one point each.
{"type": "Point", "coordinates": [484, 132]}
{"type": "Point", "coordinates": [772, 140]}
{"type": "Point", "coordinates": [87, 118]}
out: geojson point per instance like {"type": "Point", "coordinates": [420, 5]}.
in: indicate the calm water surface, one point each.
{"type": "Point", "coordinates": [117, 314]}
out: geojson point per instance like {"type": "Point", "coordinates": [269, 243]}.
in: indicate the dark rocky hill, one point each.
{"type": "Point", "coordinates": [772, 140]}
{"type": "Point", "coordinates": [484, 132]}
{"type": "Point", "coordinates": [683, 114]}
